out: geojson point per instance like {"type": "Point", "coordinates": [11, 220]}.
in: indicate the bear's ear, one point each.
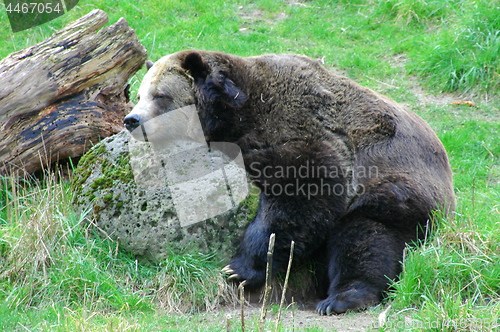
{"type": "Point", "coordinates": [196, 66]}
{"type": "Point", "coordinates": [213, 85]}
{"type": "Point", "coordinates": [149, 64]}
{"type": "Point", "coordinates": [234, 95]}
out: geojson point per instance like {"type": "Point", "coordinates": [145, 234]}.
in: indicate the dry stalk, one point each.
{"type": "Point", "coordinates": [228, 323]}
{"type": "Point", "coordinates": [241, 290]}
{"type": "Point", "coordinates": [285, 286]}
{"type": "Point", "coordinates": [268, 286]}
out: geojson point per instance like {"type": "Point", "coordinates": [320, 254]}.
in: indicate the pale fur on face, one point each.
{"type": "Point", "coordinates": [166, 106]}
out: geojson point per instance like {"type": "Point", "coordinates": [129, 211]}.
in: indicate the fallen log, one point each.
{"type": "Point", "coordinates": [59, 97]}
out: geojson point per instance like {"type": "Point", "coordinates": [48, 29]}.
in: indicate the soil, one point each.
{"type": "Point", "coordinates": [303, 319]}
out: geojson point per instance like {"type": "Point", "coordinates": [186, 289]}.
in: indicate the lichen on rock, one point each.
{"type": "Point", "coordinates": [142, 216]}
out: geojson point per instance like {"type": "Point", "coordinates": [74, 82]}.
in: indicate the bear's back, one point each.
{"type": "Point", "coordinates": [384, 138]}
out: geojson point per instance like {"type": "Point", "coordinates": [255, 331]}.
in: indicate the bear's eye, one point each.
{"type": "Point", "coordinates": [162, 97]}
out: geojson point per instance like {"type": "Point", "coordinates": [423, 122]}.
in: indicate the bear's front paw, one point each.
{"type": "Point", "coordinates": [352, 299]}
{"type": "Point", "coordinates": [238, 272]}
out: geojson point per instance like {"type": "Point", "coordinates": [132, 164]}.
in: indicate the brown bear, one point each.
{"type": "Point", "coordinates": [346, 173]}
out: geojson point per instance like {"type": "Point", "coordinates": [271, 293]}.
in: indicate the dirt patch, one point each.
{"type": "Point", "coordinates": [301, 319]}
{"type": "Point", "coordinates": [424, 97]}
{"type": "Point", "coordinates": [427, 98]}
{"type": "Point", "coordinates": [256, 17]}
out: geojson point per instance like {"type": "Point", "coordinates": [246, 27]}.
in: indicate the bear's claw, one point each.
{"type": "Point", "coordinates": [325, 311]}
{"type": "Point", "coordinates": [227, 270]}
{"type": "Point", "coordinates": [233, 276]}
{"type": "Point", "coordinates": [329, 307]}
{"type": "Point", "coordinates": [359, 297]}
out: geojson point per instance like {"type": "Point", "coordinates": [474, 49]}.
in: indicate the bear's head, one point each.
{"type": "Point", "coordinates": [166, 87]}
{"type": "Point", "coordinates": [178, 85]}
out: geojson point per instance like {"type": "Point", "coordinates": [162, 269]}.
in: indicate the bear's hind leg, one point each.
{"type": "Point", "coordinates": [363, 256]}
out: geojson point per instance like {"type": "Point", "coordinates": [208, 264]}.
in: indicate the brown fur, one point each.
{"type": "Point", "coordinates": [289, 111]}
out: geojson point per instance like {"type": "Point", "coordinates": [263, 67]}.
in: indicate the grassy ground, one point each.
{"type": "Point", "coordinates": [55, 276]}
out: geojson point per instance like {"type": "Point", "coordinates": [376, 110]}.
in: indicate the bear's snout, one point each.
{"type": "Point", "coordinates": [132, 121]}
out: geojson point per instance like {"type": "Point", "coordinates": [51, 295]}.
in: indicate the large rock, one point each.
{"type": "Point", "coordinates": [119, 180]}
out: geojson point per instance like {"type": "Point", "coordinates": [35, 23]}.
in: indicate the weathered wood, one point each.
{"type": "Point", "coordinates": [62, 95]}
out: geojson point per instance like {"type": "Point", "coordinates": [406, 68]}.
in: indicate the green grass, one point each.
{"type": "Point", "coordinates": [451, 45]}
{"type": "Point", "coordinates": [52, 260]}
{"type": "Point", "coordinates": [56, 276]}
{"type": "Point", "coordinates": [455, 277]}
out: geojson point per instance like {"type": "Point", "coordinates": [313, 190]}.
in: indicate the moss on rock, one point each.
{"type": "Point", "coordinates": [143, 218]}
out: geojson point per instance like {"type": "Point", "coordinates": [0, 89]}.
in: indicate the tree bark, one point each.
{"type": "Point", "coordinates": [59, 97]}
